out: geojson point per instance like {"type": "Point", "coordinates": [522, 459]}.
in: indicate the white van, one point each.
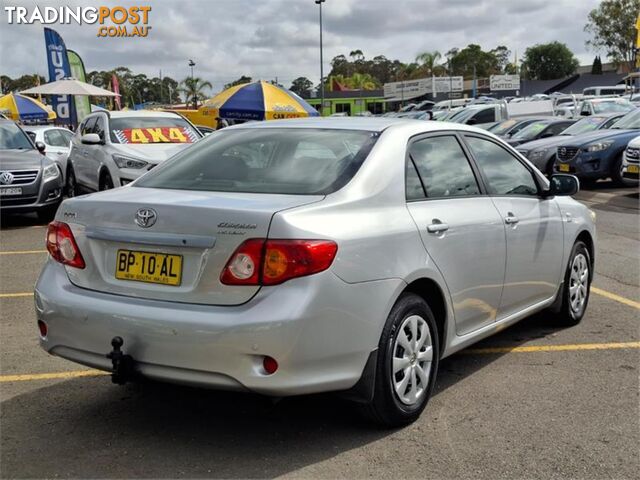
{"type": "Point", "coordinates": [601, 91]}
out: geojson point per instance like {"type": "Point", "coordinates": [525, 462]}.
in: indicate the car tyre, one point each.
{"type": "Point", "coordinates": [70, 185]}
{"type": "Point", "coordinates": [47, 214]}
{"type": "Point", "coordinates": [576, 287]}
{"type": "Point", "coordinates": [407, 363]}
{"type": "Point", "coordinates": [106, 183]}
{"type": "Point", "coordinates": [616, 174]}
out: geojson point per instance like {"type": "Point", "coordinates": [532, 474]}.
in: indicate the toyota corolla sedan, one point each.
{"type": "Point", "coordinates": [302, 256]}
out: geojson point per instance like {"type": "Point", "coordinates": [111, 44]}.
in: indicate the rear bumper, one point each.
{"type": "Point", "coordinates": [319, 329]}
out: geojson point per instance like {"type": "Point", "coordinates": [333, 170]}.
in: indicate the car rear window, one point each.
{"type": "Point", "coordinates": [146, 130]}
{"type": "Point", "coordinates": [299, 161]}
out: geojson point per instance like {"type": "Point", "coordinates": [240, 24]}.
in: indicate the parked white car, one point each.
{"type": "Point", "coordinates": [631, 161]}
{"type": "Point", "coordinates": [57, 141]}
{"type": "Point", "coordinates": [111, 149]}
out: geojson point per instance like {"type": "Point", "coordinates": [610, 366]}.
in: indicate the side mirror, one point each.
{"type": "Point", "coordinates": [41, 147]}
{"type": "Point", "coordinates": [563, 185]}
{"type": "Point", "coordinates": [91, 139]}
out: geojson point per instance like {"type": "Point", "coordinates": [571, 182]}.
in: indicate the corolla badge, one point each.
{"type": "Point", "coordinates": [146, 217]}
{"type": "Point", "coordinates": [6, 178]}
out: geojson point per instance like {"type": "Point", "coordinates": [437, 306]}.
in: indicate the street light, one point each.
{"type": "Point", "coordinates": [195, 97]}
{"type": "Point", "coordinates": [319, 3]}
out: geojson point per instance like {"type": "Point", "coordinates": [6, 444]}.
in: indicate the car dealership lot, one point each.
{"type": "Point", "coordinates": [564, 403]}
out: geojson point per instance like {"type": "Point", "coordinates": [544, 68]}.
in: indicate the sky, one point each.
{"type": "Point", "coordinates": [280, 38]}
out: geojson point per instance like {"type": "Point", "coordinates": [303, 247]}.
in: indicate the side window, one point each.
{"type": "Point", "coordinates": [610, 122]}
{"type": "Point", "coordinates": [557, 129]}
{"type": "Point", "coordinates": [67, 135]}
{"type": "Point", "coordinates": [88, 126]}
{"type": "Point", "coordinates": [443, 167]}
{"type": "Point", "coordinates": [100, 127]}
{"type": "Point", "coordinates": [504, 172]}
{"type": "Point", "coordinates": [54, 138]}
{"type": "Point", "coordinates": [413, 185]}
{"type": "Point", "coordinates": [485, 116]}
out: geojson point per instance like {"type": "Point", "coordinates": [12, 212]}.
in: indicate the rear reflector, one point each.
{"type": "Point", "coordinates": [270, 262]}
{"type": "Point", "coordinates": [270, 365]}
{"type": "Point", "coordinates": [43, 329]}
{"type": "Point", "coordinates": [62, 246]}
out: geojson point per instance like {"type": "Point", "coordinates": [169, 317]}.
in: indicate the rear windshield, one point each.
{"type": "Point", "coordinates": [618, 105]}
{"type": "Point", "coordinates": [267, 160]}
{"type": "Point", "coordinates": [145, 130]}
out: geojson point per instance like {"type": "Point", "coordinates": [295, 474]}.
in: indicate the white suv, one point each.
{"type": "Point", "coordinates": [111, 149]}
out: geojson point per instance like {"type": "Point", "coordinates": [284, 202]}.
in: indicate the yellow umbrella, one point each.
{"type": "Point", "coordinates": [21, 107]}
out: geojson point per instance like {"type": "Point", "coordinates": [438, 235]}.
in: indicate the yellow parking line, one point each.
{"type": "Point", "coordinates": [469, 351]}
{"type": "Point", "coordinates": [22, 252]}
{"type": "Point", "coordinates": [551, 348]}
{"type": "Point", "coordinates": [51, 376]}
{"type": "Point", "coordinates": [15, 295]}
{"type": "Point", "coordinates": [617, 298]}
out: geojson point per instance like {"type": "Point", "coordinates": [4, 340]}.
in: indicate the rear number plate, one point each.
{"type": "Point", "coordinates": [10, 191]}
{"type": "Point", "coordinates": [149, 267]}
{"type": "Point", "coordinates": [563, 168]}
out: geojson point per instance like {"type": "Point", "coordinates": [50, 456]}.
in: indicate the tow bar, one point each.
{"type": "Point", "coordinates": [122, 369]}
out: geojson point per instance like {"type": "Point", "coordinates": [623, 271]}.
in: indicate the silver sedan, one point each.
{"type": "Point", "coordinates": [302, 256]}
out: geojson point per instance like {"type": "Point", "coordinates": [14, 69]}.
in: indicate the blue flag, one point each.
{"type": "Point", "coordinates": [59, 68]}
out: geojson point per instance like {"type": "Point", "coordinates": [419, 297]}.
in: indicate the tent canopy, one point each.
{"type": "Point", "coordinates": [19, 107]}
{"type": "Point", "coordinates": [70, 86]}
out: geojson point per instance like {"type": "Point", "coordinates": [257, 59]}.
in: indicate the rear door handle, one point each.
{"type": "Point", "coordinates": [437, 226]}
{"type": "Point", "coordinates": [511, 219]}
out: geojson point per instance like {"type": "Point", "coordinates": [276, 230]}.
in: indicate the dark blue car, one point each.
{"type": "Point", "coordinates": [599, 154]}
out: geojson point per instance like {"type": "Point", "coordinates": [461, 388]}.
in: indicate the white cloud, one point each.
{"type": "Point", "coordinates": [269, 38]}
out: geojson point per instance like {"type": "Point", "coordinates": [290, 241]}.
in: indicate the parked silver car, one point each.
{"type": "Point", "coordinates": [110, 149]}
{"type": "Point", "coordinates": [301, 256]}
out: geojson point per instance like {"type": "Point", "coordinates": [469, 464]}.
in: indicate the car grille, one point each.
{"type": "Point", "coordinates": [565, 154]}
{"type": "Point", "coordinates": [23, 177]}
{"type": "Point", "coordinates": [633, 154]}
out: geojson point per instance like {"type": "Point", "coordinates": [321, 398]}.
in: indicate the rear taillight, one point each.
{"type": "Point", "coordinates": [62, 246]}
{"type": "Point", "coordinates": [270, 262]}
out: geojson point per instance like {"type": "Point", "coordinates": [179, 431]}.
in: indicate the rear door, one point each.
{"type": "Point", "coordinates": [460, 227]}
{"type": "Point", "coordinates": [80, 152]}
{"type": "Point", "coordinates": [533, 226]}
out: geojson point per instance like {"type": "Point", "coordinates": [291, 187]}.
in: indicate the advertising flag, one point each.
{"type": "Point", "coordinates": [82, 105]}
{"type": "Point", "coordinates": [115, 87]}
{"type": "Point", "coordinates": [59, 68]}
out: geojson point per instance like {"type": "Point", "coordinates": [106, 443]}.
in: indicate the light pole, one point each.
{"type": "Point", "coordinates": [195, 98]}
{"type": "Point", "coordinates": [319, 3]}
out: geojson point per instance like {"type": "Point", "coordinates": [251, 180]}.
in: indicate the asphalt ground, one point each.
{"type": "Point", "coordinates": [534, 401]}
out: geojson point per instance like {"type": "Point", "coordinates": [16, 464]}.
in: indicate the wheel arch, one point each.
{"type": "Point", "coordinates": [585, 237]}
{"type": "Point", "coordinates": [433, 294]}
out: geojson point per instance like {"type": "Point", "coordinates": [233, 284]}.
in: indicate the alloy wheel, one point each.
{"type": "Point", "coordinates": [412, 357]}
{"type": "Point", "coordinates": [579, 283]}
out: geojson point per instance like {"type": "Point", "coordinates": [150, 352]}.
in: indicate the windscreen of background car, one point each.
{"type": "Point", "coordinates": [149, 130]}
{"type": "Point", "coordinates": [267, 160]}
{"type": "Point", "coordinates": [630, 121]}
{"type": "Point", "coordinates": [12, 138]}
{"type": "Point", "coordinates": [530, 131]}
{"type": "Point", "coordinates": [502, 127]}
{"type": "Point", "coordinates": [619, 105]}
{"type": "Point", "coordinates": [587, 124]}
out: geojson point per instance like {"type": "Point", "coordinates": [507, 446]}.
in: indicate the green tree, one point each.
{"type": "Point", "coordinates": [240, 81]}
{"type": "Point", "coordinates": [486, 63]}
{"type": "Point", "coordinates": [549, 61]}
{"type": "Point", "coordinates": [612, 29]}
{"type": "Point", "coordinates": [596, 68]}
{"type": "Point", "coordinates": [193, 89]}
{"type": "Point", "coordinates": [428, 61]}
{"type": "Point", "coordinates": [502, 55]}
{"type": "Point", "coordinates": [302, 86]}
